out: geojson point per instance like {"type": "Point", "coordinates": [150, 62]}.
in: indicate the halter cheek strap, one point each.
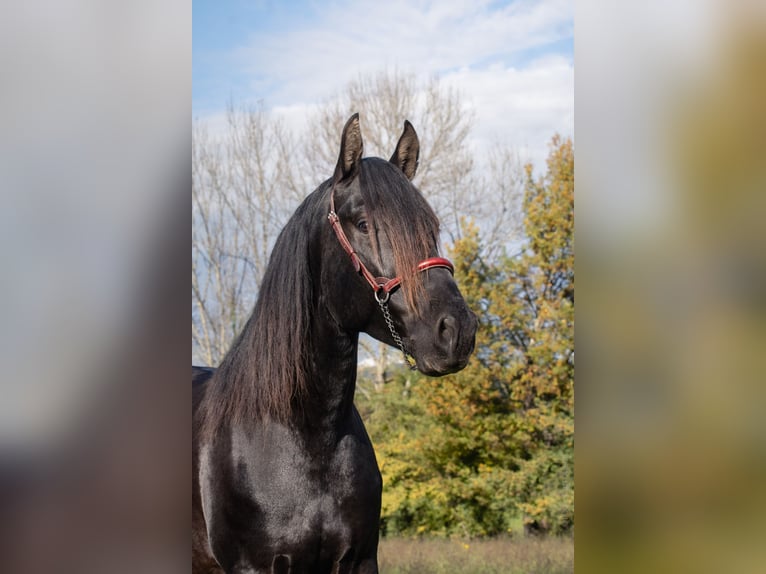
{"type": "Point", "coordinates": [381, 286]}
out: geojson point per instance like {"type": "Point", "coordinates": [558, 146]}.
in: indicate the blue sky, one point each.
{"type": "Point", "coordinates": [512, 61]}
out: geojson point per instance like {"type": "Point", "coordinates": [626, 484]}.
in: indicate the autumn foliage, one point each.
{"type": "Point", "coordinates": [490, 450]}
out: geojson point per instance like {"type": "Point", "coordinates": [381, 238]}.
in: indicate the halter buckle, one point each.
{"type": "Point", "coordinates": [382, 300]}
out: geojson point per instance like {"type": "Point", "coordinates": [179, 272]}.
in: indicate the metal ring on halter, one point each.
{"type": "Point", "coordinates": [382, 300]}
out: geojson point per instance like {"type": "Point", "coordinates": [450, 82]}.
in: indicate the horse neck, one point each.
{"type": "Point", "coordinates": [328, 406]}
{"type": "Point", "coordinates": [330, 397]}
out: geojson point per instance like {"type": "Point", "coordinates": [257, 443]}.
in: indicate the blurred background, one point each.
{"type": "Point", "coordinates": [94, 226]}
{"type": "Point", "coordinates": [671, 190]}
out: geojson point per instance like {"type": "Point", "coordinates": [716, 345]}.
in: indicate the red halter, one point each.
{"type": "Point", "coordinates": [381, 286]}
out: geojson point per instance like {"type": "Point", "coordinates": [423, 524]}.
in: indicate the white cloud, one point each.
{"type": "Point", "coordinates": [521, 107]}
{"type": "Point", "coordinates": [295, 115]}
{"type": "Point", "coordinates": [479, 48]}
{"type": "Point", "coordinates": [311, 63]}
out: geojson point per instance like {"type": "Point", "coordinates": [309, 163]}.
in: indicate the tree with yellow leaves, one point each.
{"type": "Point", "coordinates": [490, 449]}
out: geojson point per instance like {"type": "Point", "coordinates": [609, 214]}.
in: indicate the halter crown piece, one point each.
{"type": "Point", "coordinates": [382, 286]}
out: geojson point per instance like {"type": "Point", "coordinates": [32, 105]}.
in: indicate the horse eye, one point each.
{"type": "Point", "coordinates": [362, 226]}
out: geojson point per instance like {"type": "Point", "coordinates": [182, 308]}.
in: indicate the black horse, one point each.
{"type": "Point", "coordinates": [285, 477]}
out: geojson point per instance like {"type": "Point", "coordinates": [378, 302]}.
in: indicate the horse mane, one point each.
{"type": "Point", "coordinates": [268, 368]}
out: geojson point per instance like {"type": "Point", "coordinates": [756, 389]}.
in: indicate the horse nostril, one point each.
{"type": "Point", "coordinates": [447, 329]}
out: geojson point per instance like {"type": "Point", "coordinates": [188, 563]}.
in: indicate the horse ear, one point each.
{"type": "Point", "coordinates": [351, 148]}
{"type": "Point", "coordinates": [407, 151]}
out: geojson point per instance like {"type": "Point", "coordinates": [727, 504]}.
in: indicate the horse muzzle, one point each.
{"type": "Point", "coordinates": [453, 341]}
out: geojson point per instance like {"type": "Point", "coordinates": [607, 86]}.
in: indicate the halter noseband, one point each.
{"type": "Point", "coordinates": [381, 286]}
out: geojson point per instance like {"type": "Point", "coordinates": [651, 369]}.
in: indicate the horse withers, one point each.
{"type": "Point", "coordinates": [285, 477]}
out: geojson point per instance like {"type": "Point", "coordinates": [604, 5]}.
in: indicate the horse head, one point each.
{"type": "Point", "coordinates": [382, 273]}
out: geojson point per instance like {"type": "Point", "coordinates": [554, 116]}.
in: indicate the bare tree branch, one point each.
{"type": "Point", "coordinates": [242, 193]}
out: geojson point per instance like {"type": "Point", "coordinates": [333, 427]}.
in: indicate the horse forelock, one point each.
{"type": "Point", "coordinates": [397, 209]}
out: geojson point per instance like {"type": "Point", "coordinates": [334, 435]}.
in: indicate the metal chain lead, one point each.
{"type": "Point", "coordinates": [397, 339]}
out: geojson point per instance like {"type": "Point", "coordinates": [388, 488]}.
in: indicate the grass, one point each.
{"type": "Point", "coordinates": [522, 555]}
